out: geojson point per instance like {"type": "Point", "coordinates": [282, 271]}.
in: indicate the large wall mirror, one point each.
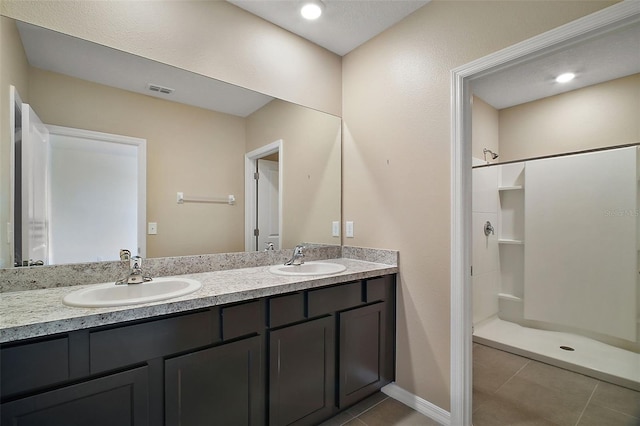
{"type": "Point", "coordinates": [198, 135]}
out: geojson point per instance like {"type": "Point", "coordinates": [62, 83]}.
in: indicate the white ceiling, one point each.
{"type": "Point", "coordinates": [344, 25]}
{"type": "Point", "coordinates": [607, 57]}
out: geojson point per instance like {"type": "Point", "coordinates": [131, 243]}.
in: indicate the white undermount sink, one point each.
{"type": "Point", "coordinates": [308, 268]}
{"type": "Point", "coordinates": [110, 294]}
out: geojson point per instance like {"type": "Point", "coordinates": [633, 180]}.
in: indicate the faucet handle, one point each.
{"type": "Point", "coordinates": [488, 229]}
{"type": "Point", "coordinates": [135, 263]}
{"type": "Point", "coordinates": [125, 254]}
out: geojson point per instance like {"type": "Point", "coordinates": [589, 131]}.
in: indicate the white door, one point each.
{"type": "Point", "coordinates": [92, 218]}
{"type": "Point", "coordinates": [35, 189]}
{"type": "Point", "coordinates": [268, 204]}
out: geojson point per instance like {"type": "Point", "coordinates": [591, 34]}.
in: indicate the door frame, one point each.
{"type": "Point", "coordinates": [250, 161]}
{"type": "Point", "coordinates": [141, 145]}
{"type": "Point", "coordinates": [461, 298]}
{"type": "Point", "coordinates": [267, 167]}
{"type": "Point", "coordinates": [16, 104]}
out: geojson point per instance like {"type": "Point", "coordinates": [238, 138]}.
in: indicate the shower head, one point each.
{"type": "Point", "coordinates": [493, 154]}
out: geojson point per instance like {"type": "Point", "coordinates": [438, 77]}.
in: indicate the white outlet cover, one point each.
{"type": "Point", "coordinates": [335, 228]}
{"type": "Point", "coordinates": [349, 229]}
{"type": "Point", "coordinates": [152, 228]}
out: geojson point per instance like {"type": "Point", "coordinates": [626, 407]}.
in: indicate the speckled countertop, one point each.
{"type": "Point", "coordinates": [34, 313]}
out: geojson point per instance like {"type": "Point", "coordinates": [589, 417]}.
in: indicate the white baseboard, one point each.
{"type": "Point", "coordinates": [422, 406]}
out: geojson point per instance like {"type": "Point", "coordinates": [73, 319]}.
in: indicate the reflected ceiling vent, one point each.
{"type": "Point", "coordinates": [160, 89]}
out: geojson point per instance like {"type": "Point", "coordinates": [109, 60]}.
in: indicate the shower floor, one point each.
{"type": "Point", "coordinates": [590, 357]}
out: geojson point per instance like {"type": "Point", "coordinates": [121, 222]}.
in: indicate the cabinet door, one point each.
{"type": "Point", "coordinates": [302, 373]}
{"type": "Point", "coordinates": [119, 399]}
{"type": "Point", "coordinates": [216, 386]}
{"type": "Point", "coordinates": [362, 353]}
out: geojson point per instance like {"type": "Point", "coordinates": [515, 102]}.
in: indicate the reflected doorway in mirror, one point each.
{"type": "Point", "coordinates": [98, 195]}
{"type": "Point", "coordinates": [263, 197]}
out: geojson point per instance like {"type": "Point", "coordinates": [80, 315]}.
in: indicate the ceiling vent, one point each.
{"type": "Point", "coordinates": [160, 89]}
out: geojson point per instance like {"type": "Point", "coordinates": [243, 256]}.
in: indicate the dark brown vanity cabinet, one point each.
{"type": "Point", "coordinates": [110, 375]}
{"type": "Point", "coordinates": [115, 399]}
{"type": "Point", "coordinates": [342, 353]}
{"type": "Point", "coordinates": [292, 359]}
{"type": "Point", "coordinates": [362, 354]}
{"type": "Point", "coordinates": [366, 356]}
{"type": "Point", "coordinates": [302, 372]}
{"type": "Point", "coordinates": [222, 383]}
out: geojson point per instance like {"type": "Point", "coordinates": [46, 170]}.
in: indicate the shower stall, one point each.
{"type": "Point", "coordinates": [555, 260]}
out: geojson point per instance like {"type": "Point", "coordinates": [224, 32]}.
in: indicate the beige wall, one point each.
{"type": "Point", "coordinates": [192, 150]}
{"type": "Point", "coordinates": [13, 70]}
{"type": "Point", "coordinates": [311, 168]}
{"type": "Point", "coordinates": [396, 106]}
{"type": "Point", "coordinates": [605, 114]}
{"type": "Point", "coordinates": [396, 184]}
{"type": "Point", "coordinates": [484, 129]}
{"type": "Point", "coordinates": [213, 38]}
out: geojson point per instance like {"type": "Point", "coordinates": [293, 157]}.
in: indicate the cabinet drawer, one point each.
{"type": "Point", "coordinates": [126, 345]}
{"type": "Point", "coordinates": [33, 365]}
{"type": "Point", "coordinates": [332, 299]}
{"type": "Point", "coordinates": [286, 309]}
{"type": "Point", "coordinates": [376, 289]}
{"type": "Point", "coordinates": [242, 320]}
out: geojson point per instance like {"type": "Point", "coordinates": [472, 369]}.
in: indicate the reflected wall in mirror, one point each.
{"type": "Point", "coordinates": [192, 146]}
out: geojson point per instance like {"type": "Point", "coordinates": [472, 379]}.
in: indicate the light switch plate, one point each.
{"type": "Point", "coordinates": [349, 229]}
{"type": "Point", "coordinates": [335, 228]}
{"type": "Point", "coordinates": [152, 228]}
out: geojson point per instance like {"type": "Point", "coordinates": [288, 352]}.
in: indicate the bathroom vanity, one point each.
{"type": "Point", "coordinates": [294, 350]}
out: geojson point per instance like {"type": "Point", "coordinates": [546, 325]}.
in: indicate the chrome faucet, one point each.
{"type": "Point", "coordinates": [298, 256]}
{"type": "Point", "coordinates": [269, 246]}
{"type": "Point", "coordinates": [136, 276]}
{"type": "Point", "coordinates": [125, 254]}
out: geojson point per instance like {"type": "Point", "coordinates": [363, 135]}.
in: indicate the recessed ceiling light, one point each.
{"type": "Point", "coordinates": [312, 9]}
{"type": "Point", "coordinates": [563, 78]}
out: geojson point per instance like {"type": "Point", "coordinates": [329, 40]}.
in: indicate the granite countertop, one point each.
{"type": "Point", "coordinates": [34, 313]}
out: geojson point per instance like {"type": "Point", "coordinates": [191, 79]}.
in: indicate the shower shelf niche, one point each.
{"type": "Point", "coordinates": [511, 199]}
{"type": "Point", "coordinates": [510, 241]}
{"type": "Point", "coordinates": [511, 191]}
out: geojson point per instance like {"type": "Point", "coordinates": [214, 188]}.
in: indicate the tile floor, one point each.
{"type": "Point", "coordinates": [512, 390]}
{"type": "Point", "coordinates": [380, 410]}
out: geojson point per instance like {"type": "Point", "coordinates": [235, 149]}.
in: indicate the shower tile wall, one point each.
{"type": "Point", "coordinates": [485, 253]}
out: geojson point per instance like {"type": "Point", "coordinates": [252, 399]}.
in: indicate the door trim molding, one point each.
{"type": "Point", "coordinates": [250, 160]}
{"type": "Point", "coordinates": [15, 103]}
{"type": "Point", "coordinates": [461, 302]}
